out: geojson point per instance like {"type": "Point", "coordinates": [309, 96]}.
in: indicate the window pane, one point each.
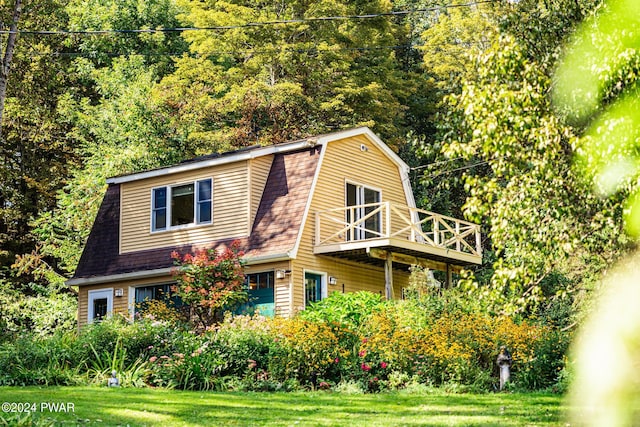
{"type": "Point", "coordinates": [204, 190]}
{"type": "Point", "coordinates": [182, 205]}
{"type": "Point", "coordinates": [159, 198]}
{"type": "Point", "coordinates": [160, 219]}
{"type": "Point", "coordinates": [204, 212]}
{"type": "Point", "coordinates": [159, 209]}
{"type": "Point", "coordinates": [144, 294]}
{"type": "Point", "coordinates": [351, 195]}
{"type": "Point", "coordinates": [99, 308]}
{"type": "Point", "coordinates": [371, 196]}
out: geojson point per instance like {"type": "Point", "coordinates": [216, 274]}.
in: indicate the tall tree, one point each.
{"type": "Point", "coordinates": [112, 117]}
{"type": "Point", "coordinates": [35, 152]}
{"type": "Point", "coordinates": [548, 233]}
{"type": "Point", "coordinates": [271, 72]}
{"type": "Point", "coordinates": [7, 56]}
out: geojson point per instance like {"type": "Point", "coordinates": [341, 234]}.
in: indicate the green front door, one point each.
{"type": "Point", "coordinates": [312, 288]}
{"type": "Point", "coordinates": [260, 287]}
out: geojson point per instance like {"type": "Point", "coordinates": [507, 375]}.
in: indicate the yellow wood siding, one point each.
{"type": "Point", "coordinates": [358, 161]}
{"type": "Point", "coordinates": [259, 171]}
{"type": "Point", "coordinates": [230, 209]}
{"type": "Point", "coordinates": [121, 305]}
{"type": "Point", "coordinates": [124, 305]}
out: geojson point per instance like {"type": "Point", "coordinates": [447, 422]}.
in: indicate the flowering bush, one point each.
{"type": "Point", "coordinates": [311, 351]}
{"type": "Point", "coordinates": [457, 347]}
{"type": "Point", "coordinates": [399, 344]}
{"type": "Point", "coordinates": [210, 282]}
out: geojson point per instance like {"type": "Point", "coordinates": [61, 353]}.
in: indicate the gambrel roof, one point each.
{"type": "Point", "coordinates": [277, 227]}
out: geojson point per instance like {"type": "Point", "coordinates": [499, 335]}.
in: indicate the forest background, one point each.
{"type": "Point", "coordinates": [462, 91]}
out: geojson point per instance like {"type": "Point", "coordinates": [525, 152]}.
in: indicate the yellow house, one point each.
{"type": "Point", "coordinates": [331, 213]}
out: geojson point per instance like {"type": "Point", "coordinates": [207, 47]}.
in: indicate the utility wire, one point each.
{"type": "Point", "coordinates": [250, 24]}
{"type": "Point", "coordinates": [440, 162]}
{"type": "Point", "coordinates": [235, 52]}
{"type": "Point", "coordinates": [484, 162]}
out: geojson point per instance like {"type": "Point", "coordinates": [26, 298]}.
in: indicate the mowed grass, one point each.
{"type": "Point", "coordinates": [160, 407]}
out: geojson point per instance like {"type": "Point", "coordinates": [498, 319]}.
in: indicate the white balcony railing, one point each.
{"type": "Point", "coordinates": [388, 220]}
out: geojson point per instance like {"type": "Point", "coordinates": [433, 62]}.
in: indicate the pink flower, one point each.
{"type": "Point", "coordinates": [383, 365]}
{"type": "Point", "coordinates": [365, 367]}
{"type": "Point", "coordinates": [362, 353]}
{"type": "Point", "coordinates": [337, 360]}
{"type": "Point", "coordinates": [153, 359]}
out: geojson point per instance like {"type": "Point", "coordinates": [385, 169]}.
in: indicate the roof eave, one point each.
{"type": "Point", "coordinates": [160, 272]}
{"type": "Point", "coordinates": [243, 156]}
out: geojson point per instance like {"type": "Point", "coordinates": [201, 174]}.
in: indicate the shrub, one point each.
{"type": "Point", "coordinates": [311, 351]}
{"type": "Point", "coordinates": [350, 309]}
{"type": "Point", "coordinates": [459, 347]}
{"type": "Point", "coordinates": [34, 360]}
{"type": "Point", "coordinates": [210, 282]}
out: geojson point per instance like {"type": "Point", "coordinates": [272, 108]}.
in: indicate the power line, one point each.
{"type": "Point", "coordinates": [234, 52]}
{"type": "Point", "coordinates": [440, 162]}
{"type": "Point", "coordinates": [484, 162]}
{"type": "Point", "coordinates": [250, 24]}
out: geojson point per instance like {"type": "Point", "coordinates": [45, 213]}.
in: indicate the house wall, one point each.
{"type": "Point", "coordinates": [124, 305]}
{"type": "Point", "coordinates": [231, 209]}
{"type": "Point", "coordinates": [345, 161]}
{"type": "Point", "coordinates": [121, 305]}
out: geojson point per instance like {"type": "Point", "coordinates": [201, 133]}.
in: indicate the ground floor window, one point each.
{"type": "Point", "coordinates": [315, 287]}
{"type": "Point", "coordinates": [144, 295]}
{"type": "Point", "coordinates": [100, 304]}
{"type": "Point", "coordinates": [261, 288]}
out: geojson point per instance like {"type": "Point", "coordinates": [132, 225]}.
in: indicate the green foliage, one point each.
{"type": "Point", "coordinates": [33, 360]}
{"type": "Point", "coordinates": [350, 309]}
{"type": "Point", "coordinates": [26, 419]}
{"type": "Point", "coordinates": [505, 121]}
{"type": "Point", "coordinates": [35, 150]}
{"type": "Point", "coordinates": [40, 311]}
{"type": "Point", "coordinates": [400, 345]}
{"type": "Point", "coordinates": [92, 15]}
{"type": "Point", "coordinates": [270, 83]}
{"type": "Point", "coordinates": [597, 88]}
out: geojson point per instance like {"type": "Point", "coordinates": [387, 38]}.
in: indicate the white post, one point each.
{"type": "Point", "coordinates": [387, 206]}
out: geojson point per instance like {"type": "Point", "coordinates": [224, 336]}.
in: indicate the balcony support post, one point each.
{"type": "Point", "coordinates": [388, 277]}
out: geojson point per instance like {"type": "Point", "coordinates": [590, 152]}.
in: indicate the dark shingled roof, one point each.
{"type": "Point", "coordinates": [275, 229]}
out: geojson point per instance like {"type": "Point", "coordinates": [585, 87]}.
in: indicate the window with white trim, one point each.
{"type": "Point", "coordinates": [362, 202]}
{"type": "Point", "coordinates": [100, 304]}
{"type": "Point", "coordinates": [182, 205]}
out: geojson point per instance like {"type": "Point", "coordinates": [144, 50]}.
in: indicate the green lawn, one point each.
{"type": "Point", "coordinates": [157, 407]}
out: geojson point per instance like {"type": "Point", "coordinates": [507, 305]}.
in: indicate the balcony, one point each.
{"type": "Point", "coordinates": [402, 234]}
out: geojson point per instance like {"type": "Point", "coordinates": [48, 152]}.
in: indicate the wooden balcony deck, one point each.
{"type": "Point", "coordinates": [381, 231]}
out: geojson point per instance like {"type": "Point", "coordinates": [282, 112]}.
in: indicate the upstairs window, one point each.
{"type": "Point", "coordinates": [181, 205]}
{"type": "Point", "coordinates": [363, 202]}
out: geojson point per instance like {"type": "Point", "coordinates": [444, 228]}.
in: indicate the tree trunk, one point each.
{"type": "Point", "coordinates": [6, 60]}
